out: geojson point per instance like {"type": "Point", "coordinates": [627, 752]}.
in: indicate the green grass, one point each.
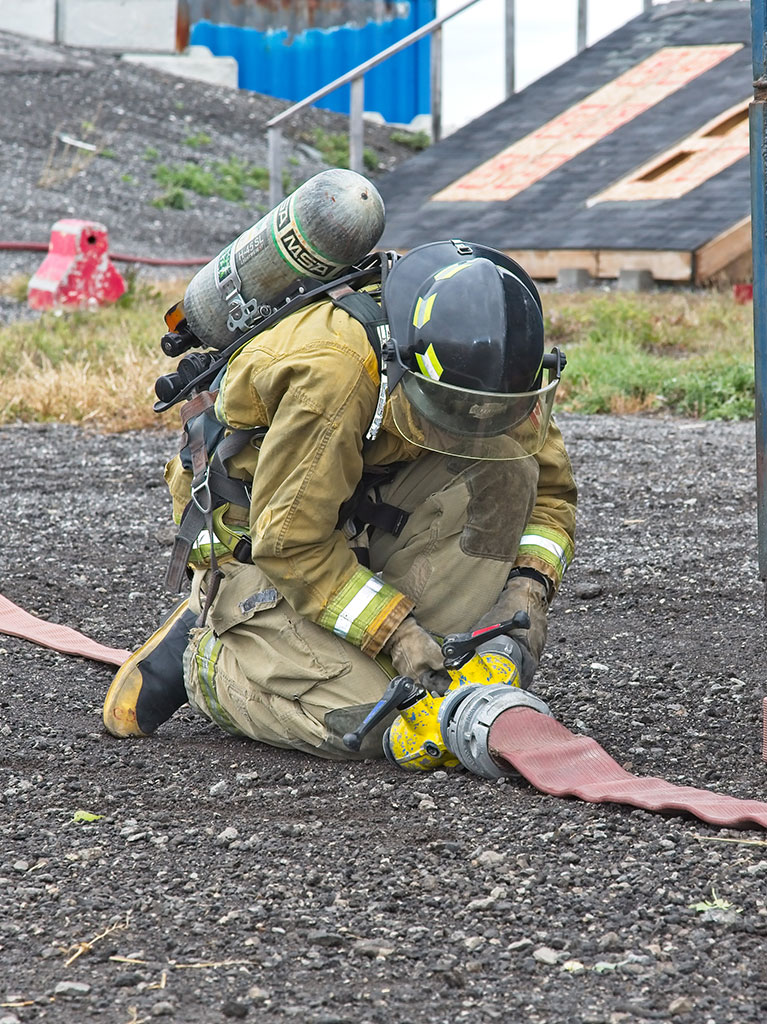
{"type": "Point", "coordinates": [415, 140]}
{"type": "Point", "coordinates": [687, 354]}
{"type": "Point", "coordinates": [198, 140]}
{"type": "Point", "coordinates": [232, 179]}
{"type": "Point", "coordinates": [333, 147]}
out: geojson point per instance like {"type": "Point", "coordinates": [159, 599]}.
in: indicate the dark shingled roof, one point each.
{"type": "Point", "coordinates": [552, 212]}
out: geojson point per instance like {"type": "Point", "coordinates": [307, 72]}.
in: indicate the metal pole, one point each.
{"type": "Point", "coordinates": [583, 6]}
{"type": "Point", "coordinates": [511, 49]}
{"type": "Point", "coordinates": [758, 129]}
{"type": "Point", "coordinates": [356, 128]}
{"type": "Point", "coordinates": [274, 142]}
{"type": "Point", "coordinates": [436, 85]}
{"type": "Point", "coordinates": [647, 6]}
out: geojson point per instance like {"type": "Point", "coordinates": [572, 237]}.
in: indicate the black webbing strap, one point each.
{"type": "Point", "coordinates": [365, 309]}
{"type": "Point", "coordinates": [211, 487]}
{"type": "Point", "coordinates": [361, 508]}
{"type": "Point", "coordinates": [382, 516]}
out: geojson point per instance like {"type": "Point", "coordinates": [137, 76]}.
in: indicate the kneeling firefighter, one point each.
{"type": "Point", "coordinates": [401, 479]}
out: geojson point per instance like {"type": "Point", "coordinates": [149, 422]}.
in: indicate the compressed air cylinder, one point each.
{"type": "Point", "coordinates": [330, 222]}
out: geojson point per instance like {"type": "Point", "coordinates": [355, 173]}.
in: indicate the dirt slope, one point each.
{"type": "Point", "coordinates": [138, 119]}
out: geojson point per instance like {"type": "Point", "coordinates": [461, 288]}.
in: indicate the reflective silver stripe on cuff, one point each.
{"type": "Point", "coordinates": [356, 606]}
{"type": "Point", "coordinates": [543, 542]}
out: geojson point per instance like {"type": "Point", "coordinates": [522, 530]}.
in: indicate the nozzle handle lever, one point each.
{"type": "Point", "coordinates": [401, 692]}
{"type": "Point", "coordinates": [457, 648]}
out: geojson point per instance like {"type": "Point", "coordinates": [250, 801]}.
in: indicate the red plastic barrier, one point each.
{"type": "Point", "coordinates": [77, 270]}
{"type": "Point", "coordinates": [743, 293]}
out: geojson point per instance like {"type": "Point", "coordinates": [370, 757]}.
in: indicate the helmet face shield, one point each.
{"type": "Point", "coordinates": [465, 357]}
{"type": "Point", "coordinates": [471, 424]}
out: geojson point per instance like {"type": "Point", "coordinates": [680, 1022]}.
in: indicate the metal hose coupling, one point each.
{"type": "Point", "coordinates": [466, 716]}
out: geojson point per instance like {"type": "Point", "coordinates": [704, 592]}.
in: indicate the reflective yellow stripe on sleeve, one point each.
{"type": "Point", "coordinates": [359, 607]}
{"type": "Point", "coordinates": [549, 545]}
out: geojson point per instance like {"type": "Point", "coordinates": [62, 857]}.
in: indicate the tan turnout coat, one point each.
{"type": "Point", "coordinates": [313, 380]}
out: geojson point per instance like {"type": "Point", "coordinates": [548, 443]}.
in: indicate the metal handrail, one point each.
{"type": "Point", "coordinates": [357, 79]}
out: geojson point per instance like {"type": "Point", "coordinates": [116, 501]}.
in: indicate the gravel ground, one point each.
{"type": "Point", "coordinates": [229, 880]}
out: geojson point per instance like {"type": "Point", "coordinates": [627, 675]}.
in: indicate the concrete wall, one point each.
{"type": "Point", "coordinates": [295, 16]}
{"type": "Point", "coordinates": [119, 24]}
{"type": "Point", "coordinates": [36, 18]}
{"type": "Point", "coordinates": [148, 25]}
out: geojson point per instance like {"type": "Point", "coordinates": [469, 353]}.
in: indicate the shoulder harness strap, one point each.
{"type": "Point", "coordinates": [212, 485]}
{"type": "Point", "coordinates": [364, 308]}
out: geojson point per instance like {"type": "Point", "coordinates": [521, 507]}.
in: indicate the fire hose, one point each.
{"type": "Point", "coordinates": [14, 621]}
{"type": "Point", "coordinates": [485, 725]}
{"type": "Point", "coordinates": [121, 257]}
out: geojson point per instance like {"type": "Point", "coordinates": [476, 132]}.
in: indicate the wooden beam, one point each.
{"type": "Point", "coordinates": [667, 265]}
{"type": "Point", "coordinates": [723, 250]}
{"type": "Point", "coordinates": [543, 264]}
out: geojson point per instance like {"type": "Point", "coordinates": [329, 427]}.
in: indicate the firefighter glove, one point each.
{"type": "Point", "coordinates": [529, 594]}
{"type": "Point", "coordinates": [415, 653]}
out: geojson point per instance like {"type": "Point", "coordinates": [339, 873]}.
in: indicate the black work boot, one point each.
{"type": "Point", "coordinates": [149, 686]}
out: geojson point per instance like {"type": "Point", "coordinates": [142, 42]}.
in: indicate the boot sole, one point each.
{"type": "Point", "coordinates": [119, 712]}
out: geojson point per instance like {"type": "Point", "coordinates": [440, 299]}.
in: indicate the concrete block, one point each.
{"type": "Point", "coordinates": [36, 18]}
{"type": "Point", "coordinates": [197, 63]}
{"type": "Point", "coordinates": [119, 24]}
{"type": "Point", "coordinates": [574, 279]}
{"type": "Point", "coordinates": [635, 281]}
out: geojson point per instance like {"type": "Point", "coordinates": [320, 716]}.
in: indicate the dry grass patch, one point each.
{"type": "Point", "coordinates": [688, 353]}
{"type": "Point", "coordinates": [96, 367]}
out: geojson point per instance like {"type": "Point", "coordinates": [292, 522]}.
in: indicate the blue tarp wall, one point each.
{"type": "Point", "coordinates": [275, 65]}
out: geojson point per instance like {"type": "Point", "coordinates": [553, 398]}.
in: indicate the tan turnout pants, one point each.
{"type": "Point", "coordinates": [260, 670]}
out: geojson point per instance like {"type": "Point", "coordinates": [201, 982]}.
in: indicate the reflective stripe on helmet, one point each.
{"type": "Point", "coordinates": [452, 270]}
{"type": "Point", "coordinates": [422, 311]}
{"type": "Point", "coordinates": [428, 363]}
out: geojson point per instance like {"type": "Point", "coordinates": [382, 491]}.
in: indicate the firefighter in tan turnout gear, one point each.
{"type": "Point", "coordinates": [392, 500]}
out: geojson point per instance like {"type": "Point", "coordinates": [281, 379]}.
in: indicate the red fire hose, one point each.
{"type": "Point", "coordinates": [556, 761]}
{"type": "Point", "coordinates": [14, 621]}
{"type": "Point", "coordinates": [121, 257]}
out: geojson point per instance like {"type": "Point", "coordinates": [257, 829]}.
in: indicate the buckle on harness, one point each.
{"type": "Point", "coordinates": [203, 487]}
{"type": "Point", "coordinates": [243, 550]}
